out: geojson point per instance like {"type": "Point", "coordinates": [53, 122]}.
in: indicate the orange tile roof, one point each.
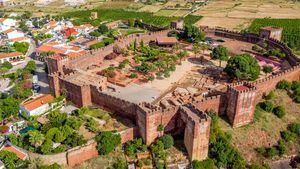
{"type": "Point", "coordinates": [19, 39]}
{"type": "Point", "coordinates": [166, 40]}
{"type": "Point", "coordinates": [12, 149]}
{"type": "Point", "coordinates": [11, 54]}
{"type": "Point", "coordinates": [38, 102]}
{"type": "Point", "coordinates": [2, 19]}
{"type": "Point", "coordinates": [8, 31]}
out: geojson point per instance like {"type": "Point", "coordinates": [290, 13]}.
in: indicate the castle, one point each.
{"type": "Point", "coordinates": [185, 113]}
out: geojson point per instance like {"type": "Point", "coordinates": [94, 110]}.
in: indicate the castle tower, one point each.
{"type": "Point", "coordinates": [54, 84]}
{"type": "Point", "coordinates": [241, 104]}
{"type": "Point", "coordinates": [271, 32]}
{"type": "Point", "coordinates": [56, 63]}
{"type": "Point", "coordinates": [196, 133]}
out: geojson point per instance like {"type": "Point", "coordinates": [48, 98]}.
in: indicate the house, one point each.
{"type": "Point", "coordinates": [84, 29]}
{"type": "Point", "coordinates": [59, 48]}
{"type": "Point", "coordinates": [4, 28]}
{"type": "Point", "coordinates": [4, 3]}
{"type": "Point", "coordinates": [166, 41]}
{"type": "Point", "coordinates": [7, 146]}
{"type": "Point", "coordinates": [69, 32]}
{"type": "Point", "coordinates": [8, 22]}
{"type": "Point", "coordinates": [74, 2]}
{"type": "Point", "coordinates": [15, 34]}
{"type": "Point", "coordinates": [12, 57]}
{"type": "Point", "coordinates": [38, 105]}
{"type": "Point", "coordinates": [20, 39]}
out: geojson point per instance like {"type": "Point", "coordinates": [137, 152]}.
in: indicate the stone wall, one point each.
{"type": "Point", "coordinates": [79, 155]}
{"type": "Point", "coordinates": [254, 38]}
{"type": "Point", "coordinates": [117, 105]}
{"type": "Point", "coordinates": [97, 56]}
{"type": "Point", "coordinates": [216, 103]}
{"type": "Point", "coordinates": [129, 134]}
{"type": "Point", "coordinates": [60, 158]}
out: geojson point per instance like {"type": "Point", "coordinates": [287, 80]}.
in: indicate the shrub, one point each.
{"type": "Point", "coordinates": [281, 147]}
{"type": "Point", "coordinates": [139, 164]}
{"type": "Point", "coordinates": [295, 85]}
{"type": "Point", "coordinates": [133, 75]}
{"type": "Point", "coordinates": [295, 128]}
{"type": "Point", "coordinates": [206, 164]}
{"type": "Point", "coordinates": [267, 106]}
{"type": "Point", "coordinates": [271, 152]}
{"type": "Point", "coordinates": [271, 95]}
{"type": "Point", "coordinates": [284, 85]}
{"type": "Point", "coordinates": [267, 69]}
{"type": "Point", "coordinates": [107, 141]}
{"type": "Point", "coordinates": [287, 135]}
{"type": "Point", "coordinates": [167, 140]}
{"type": "Point", "coordinates": [279, 111]}
{"type": "Point", "coordinates": [6, 65]}
{"type": "Point", "coordinates": [119, 164]}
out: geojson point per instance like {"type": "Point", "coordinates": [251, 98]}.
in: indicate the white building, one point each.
{"type": "Point", "coordinates": [8, 22]}
{"type": "Point", "coordinates": [37, 106]}
{"type": "Point", "coordinates": [4, 3]}
{"type": "Point", "coordinates": [15, 34]}
{"type": "Point", "coordinates": [12, 57]}
{"type": "Point", "coordinates": [74, 2]}
{"type": "Point", "coordinates": [4, 28]}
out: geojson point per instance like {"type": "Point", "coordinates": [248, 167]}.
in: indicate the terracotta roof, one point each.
{"type": "Point", "coordinates": [19, 39]}
{"type": "Point", "coordinates": [241, 87]}
{"type": "Point", "coordinates": [2, 19]}
{"type": "Point", "coordinates": [11, 54]}
{"type": "Point", "coordinates": [14, 150]}
{"type": "Point", "coordinates": [8, 31]}
{"type": "Point", "coordinates": [166, 40]}
{"type": "Point", "coordinates": [38, 102]}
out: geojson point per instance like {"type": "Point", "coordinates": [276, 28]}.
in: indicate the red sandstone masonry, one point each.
{"type": "Point", "coordinates": [79, 155]}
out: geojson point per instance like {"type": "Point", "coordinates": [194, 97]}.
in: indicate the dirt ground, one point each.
{"type": "Point", "coordinates": [237, 15]}
{"type": "Point", "coordinates": [266, 131]}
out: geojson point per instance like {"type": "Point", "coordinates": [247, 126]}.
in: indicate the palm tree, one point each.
{"type": "Point", "coordinates": [36, 138]}
{"type": "Point", "coordinates": [176, 47]}
{"type": "Point", "coordinates": [196, 49]}
{"type": "Point", "coordinates": [182, 55]}
{"type": "Point", "coordinates": [203, 47]}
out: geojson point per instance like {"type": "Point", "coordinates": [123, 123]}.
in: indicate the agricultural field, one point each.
{"type": "Point", "coordinates": [82, 17]}
{"type": "Point", "coordinates": [291, 29]}
{"type": "Point", "coordinates": [238, 15]}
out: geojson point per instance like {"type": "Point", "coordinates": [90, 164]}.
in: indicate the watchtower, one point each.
{"type": "Point", "coordinates": [271, 32]}
{"type": "Point", "coordinates": [241, 104]}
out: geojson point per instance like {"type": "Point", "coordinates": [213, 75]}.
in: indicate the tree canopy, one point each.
{"type": "Point", "coordinates": [193, 33]}
{"type": "Point", "coordinates": [107, 141]}
{"type": "Point", "coordinates": [243, 67]}
{"type": "Point", "coordinates": [220, 53]}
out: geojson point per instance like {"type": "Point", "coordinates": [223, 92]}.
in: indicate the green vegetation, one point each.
{"type": "Point", "coordinates": [193, 34]}
{"type": "Point", "coordinates": [292, 87]}
{"type": "Point", "coordinates": [205, 164]}
{"type": "Point", "coordinates": [21, 47]}
{"type": "Point", "coordinates": [191, 19]}
{"type": "Point", "coordinates": [243, 67]}
{"type": "Point", "coordinates": [220, 149]}
{"type": "Point", "coordinates": [107, 141]}
{"type": "Point", "coordinates": [167, 140]}
{"type": "Point", "coordinates": [41, 36]}
{"type": "Point", "coordinates": [291, 31]}
{"type": "Point", "coordinates": [134, 146]}
{"type": "Point", "coordinates": [102, 44]}
{"type": "Point", "coordinates": [41, 137]}
{"type": "Point", "coordinates": [279, 111]}
{"type": "Point", "coordinates": [289, 135]}
{"type": "Point", "coordinates": [11, 161]}
{"type": "Point", "coordinates": [220, 53]}
{"type": "Point", "coordinates": [83, 17]}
